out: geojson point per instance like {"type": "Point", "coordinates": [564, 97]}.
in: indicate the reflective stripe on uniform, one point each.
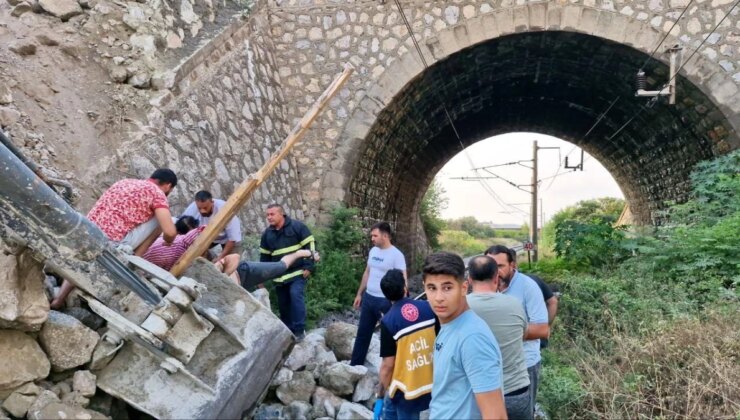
{"type": "Point", "coordinates": [296, 247]}
{"type": "Point", "coordinates": [288, 276]}
{"type": "Point", "coordinates": [286, 250]}
{"type": "Point", "coordinates": [265, 251]}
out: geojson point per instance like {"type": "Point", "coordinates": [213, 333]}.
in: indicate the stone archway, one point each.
{"type": "Point", "coordinates": [539, 68]}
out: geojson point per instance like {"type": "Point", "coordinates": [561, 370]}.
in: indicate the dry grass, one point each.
{"type": "Point", "coordinates": [690, 369]}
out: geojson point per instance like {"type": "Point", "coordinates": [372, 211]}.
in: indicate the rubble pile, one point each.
{"type": "Point", "coordinates": [128, 38]}
{"type": "Point", "coordinates": [317, 382]}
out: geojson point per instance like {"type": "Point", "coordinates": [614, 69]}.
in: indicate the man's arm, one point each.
{"type": "Point", "coordinates": [535, 331]}
{"type": "Point", "coordinates": [225, 250]}
{"type": "Point", "coordinates": [552, 309]}
{"type": "Point", "coordinates": [307, 241]}
{"type": "Point", "coordinates": [491, 405]}
{"type": "Point", "coordinates": [164, 218]}
{"type": "Point", "coordinates": [361, 289]}
{"type": "Point", "coordinates": [386, 371]}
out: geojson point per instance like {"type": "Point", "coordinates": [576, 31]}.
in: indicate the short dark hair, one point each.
{"type": "Point", "coordinates": [203, 195]}
{"type": "Point", "coordinates": [500, 249]}
{"type": "Point", "coordinates": [392, 285]}
{"type": "Point", "coordinates": [383, 227]}
{"type": "Point", "coordinates": [482, 268]}
{"type": "Point", "coordinates": [276, 205]}
{"type": "Point", "coordinates": [185, 224]}
{"type": "Point", "coordinates": [444, 263]}
{"type": "Point", "coordinates": [165, 176]}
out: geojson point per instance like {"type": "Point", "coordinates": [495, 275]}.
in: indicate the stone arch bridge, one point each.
{"type": "Point", "coordinates": [498, 66]}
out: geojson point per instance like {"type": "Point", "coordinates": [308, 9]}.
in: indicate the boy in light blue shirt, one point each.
{"type": "Point", "coordinates": [468, 374]}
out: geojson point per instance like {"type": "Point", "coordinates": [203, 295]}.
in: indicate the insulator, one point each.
{"type": "Point", "coordinates": [641, 80]}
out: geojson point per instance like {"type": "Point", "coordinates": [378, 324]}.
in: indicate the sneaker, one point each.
{"type": "Point", "coordinates": [300, 337]}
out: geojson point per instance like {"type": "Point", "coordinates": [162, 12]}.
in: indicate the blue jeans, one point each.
{"type": "Point", "coordinates": [392, 411]}
{"type": "Point", "coordinates": [292, 305]}
{"type": "Point", "coordinates": [371, 310]}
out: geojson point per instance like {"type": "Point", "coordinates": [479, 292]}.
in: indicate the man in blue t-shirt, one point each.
{"type": "Point", "coordinates": [370, 300]}
{"type": "Point", "coordinates": [468, 374]}
{"type": "Point", "coordinates": [516, 284]}
{"type": "Point", "coordinates": [407, 335]}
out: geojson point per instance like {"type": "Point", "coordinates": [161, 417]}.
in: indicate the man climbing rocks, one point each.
{"type": "Point", "coordinates": [133, 212]}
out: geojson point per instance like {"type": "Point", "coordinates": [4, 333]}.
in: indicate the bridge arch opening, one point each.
{"type": "Point", "coordinates": [552, 82]}
{"type": "Point", "coordinates": [508, 156]}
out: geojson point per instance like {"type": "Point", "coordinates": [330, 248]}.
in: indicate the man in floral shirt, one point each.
{"type": "Point", "coordinates": [133, 212]}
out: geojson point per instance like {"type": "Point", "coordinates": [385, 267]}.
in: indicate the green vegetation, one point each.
{"type": "Point", "coordinates": [334, 284]}
{"type": "Point", "coordinates": [649, 328]}
{"type": "Point", "coordinates": [432, 204]}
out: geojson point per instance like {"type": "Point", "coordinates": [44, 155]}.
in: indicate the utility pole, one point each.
{"type": "Point", "coordinates": [533, 212]}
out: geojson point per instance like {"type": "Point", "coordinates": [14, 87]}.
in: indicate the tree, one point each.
{"type": "Point", "coordinates": [432, 204]}
{"type": "Point", "coordinates": [605, 210]}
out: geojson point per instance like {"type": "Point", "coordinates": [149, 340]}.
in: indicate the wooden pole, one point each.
{"type": "Point", "coordinates": [249, 185]}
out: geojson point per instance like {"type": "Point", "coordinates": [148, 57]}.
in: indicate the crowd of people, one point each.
{"type": "Point", "coordinates": [470, 350]}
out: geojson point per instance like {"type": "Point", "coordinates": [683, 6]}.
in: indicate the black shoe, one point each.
{"type": "Point", "coordinates": [300, 337]}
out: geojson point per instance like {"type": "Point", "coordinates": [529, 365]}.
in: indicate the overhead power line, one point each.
{"type": "Point", "coordinates": [486, 187]}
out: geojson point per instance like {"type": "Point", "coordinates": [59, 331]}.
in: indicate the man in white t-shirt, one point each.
{"type": "Point", "coordinates": [203, 209]}
{"type": "Point", "coordinates": [370, 299]}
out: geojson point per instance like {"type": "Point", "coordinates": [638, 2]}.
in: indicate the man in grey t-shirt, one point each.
{"type": "Point", "coordinates": [507, 320]}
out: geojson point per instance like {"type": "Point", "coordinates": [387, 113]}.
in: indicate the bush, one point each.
{"type": "Point", "coordinates": [334, 284]}
{"type": "Point", "coordinates": [432, 204]}
{"type": "Point", "coordinates": [589, 244]}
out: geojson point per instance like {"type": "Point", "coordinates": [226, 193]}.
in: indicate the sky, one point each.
{"type": "Point", "coordinates": [469, 198]}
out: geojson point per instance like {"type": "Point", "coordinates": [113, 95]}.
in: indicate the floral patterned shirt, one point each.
{"type": "Point", "coordinates": [125, 205]}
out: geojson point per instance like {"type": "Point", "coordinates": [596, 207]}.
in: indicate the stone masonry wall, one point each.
{"type": "Point", "coordinates": [221, 120]}
{"type": "Point", "coordinates": [314, 38]}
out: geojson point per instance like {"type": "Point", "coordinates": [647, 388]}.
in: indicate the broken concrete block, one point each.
{"type": "Point", "coordinates": [300, 388]}
{"type": "Point", "coordinates": [340, 338]}
{"type": "Point", "coordinates": [22, 360]}
{"type": "Point", "coordinates": [187, 334]}
{"type": "Point", "coordinates": [179, 298]}
{"type": "Point", "coordinates": [83, 382]}
{"type": "Point", "coordinates": [353, 411]}
{"type": "Point", "coordinates": [102, 355]}
{"type": "Point", "coordinates": [341, 378]}
{"type": "Point", "coordinates": [67, 341]}
{"type": "Point", "coordinates": [156, 325]}
{"type": "Point", "coordinates": [168, 311]}
{"type": "Point", "coordinates": [57, 410]}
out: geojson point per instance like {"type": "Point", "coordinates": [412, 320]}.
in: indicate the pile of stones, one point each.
{"type": "Point", "coordinates": [47, 357]}
{"type": "Point", "coordinates": [317, 382]}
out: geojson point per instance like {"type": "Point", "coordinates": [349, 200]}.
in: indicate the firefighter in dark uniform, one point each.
{"type": "Point", "coordinates": [282, 237]}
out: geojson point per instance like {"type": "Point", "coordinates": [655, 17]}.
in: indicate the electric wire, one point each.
{"type": "Point", "coordinates": [486, 187]}
{"type": "Point", "coordinates": [647, 60]}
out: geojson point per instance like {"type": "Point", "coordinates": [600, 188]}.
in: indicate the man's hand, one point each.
{"type": "Point", "coordinates": [306, 273]}
{"type": "Point", "coordinates": [357, 302]}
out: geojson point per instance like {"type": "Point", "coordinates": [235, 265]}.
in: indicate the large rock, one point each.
{"type": "Point", "coordinates": [83, 382]}
{"type": "Point", "coordinates": [373, 359]}
{"type": "Point", "coordinates": [352, 411]}
{"type": "Point", "coordinates": [365, 388]}
{"type": "Point", "coordinates": [9, 116]}
{"type": "Point", "coordinates": [325, 403]}
{"type": "Point", "coordinates": [341, 378]}
{"type": "Point", "coordinates": [23, 303]}
{"type": "Point", "coordinates": [67, 341]}
{"type": "Point", "coordinates": [17, 404]}
{"type": "Point", "coordinates": [45, 398]}
{"type": "Point", "coordinates": [303, 353]}
{"type": "Point", "coordinates": [300, 388]}
{"type": "Point", "coordinates": [57, 410]}
{"type": "Point", "coordinates": [284, 375]}
{"type": "Point", "coordinates": [21, 360]}
{"type": "Point", "coordinates": [340, 337]}
{"type": "Point", "coordinates": [299, 410]}
{"type": "Point", "coordinates": [270, 412]}
{"type": "Point", "coordinates": [63, 9]}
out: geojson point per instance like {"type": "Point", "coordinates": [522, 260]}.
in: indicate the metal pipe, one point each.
{"type": "Point", "coordinates": [36, 169]}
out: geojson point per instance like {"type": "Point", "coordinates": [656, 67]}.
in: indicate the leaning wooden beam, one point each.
{"type": "Point", "coordinates": [249, 185]}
